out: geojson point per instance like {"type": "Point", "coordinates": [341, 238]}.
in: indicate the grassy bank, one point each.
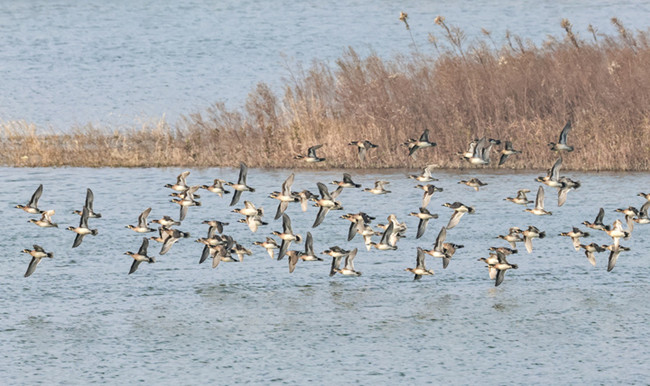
{"type": "Point", "coordinates": [517, 91]}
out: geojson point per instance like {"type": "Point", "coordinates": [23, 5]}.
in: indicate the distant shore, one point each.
{"type": "Point", "coordinates": [519, 92]}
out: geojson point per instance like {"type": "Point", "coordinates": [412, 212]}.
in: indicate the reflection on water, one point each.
{"type": "Point", "coordinates": [253, 321]}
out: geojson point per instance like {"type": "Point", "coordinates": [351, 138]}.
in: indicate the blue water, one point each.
{"type": "Point", "coordinates": [81, 318]}
{"type": "Point", "coordinates": [125, 63]}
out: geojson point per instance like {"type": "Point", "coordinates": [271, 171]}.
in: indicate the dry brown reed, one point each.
{"type": "Point", "coordinates": [519, 91]}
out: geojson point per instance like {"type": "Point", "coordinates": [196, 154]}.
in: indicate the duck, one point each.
{"type": "Point", "coordinates": [90, 197]}
{"type": "Point", "coordinates": [513, 236]}
{"type": "Point", "coordinates": [399, 228]}
{"type": "Point", "coordinates": [240, 251]}
{"type": "Point", "coordinates": [616, 232]}
{"type": "Point", "coordinates": [420, 267]}
{"type": "Point", "coordinates": [562, 145]}
{"type": "Point", "coordinates": [615, 250]}
{"type": "Point", "coordinates": [287, 236]}
{"type": "Point", "coordinates": [425, 176]}
{"type": "Point", "coordinates": [590, 250]}
{"type": "Point", "coordinates": [630, 213]}
{"type": "Point", "coordinates": [567, 185]}
{"type": "Point", "coordinates": [214, 224]}
{"type": "Point", "coordinates": [424, 215]}
{"type": "Point", "coordinates": [552, 178]}
{"type": "Point", "coordinates": [32, 206]}
{"type": "Point", "coordinates": [285, 196]}
{"type": "Point", "coordinates": [82, 229]}
{"type": "Point", "coordinates": [356, 219]}
{"type": "Point", "coordinates": [363, 147]}
{"type": "Point", "coordinates": [506, 152]}
{"type": "Point", "coordinates": [506, 251]}
{"type": "Point", "coordinates": [466, 155]}
{"type": "Point", "coordinates": [169, 238]}
{"type": "Point", "coordinates": [529, 234]}
{"type": "Point", "coordinates": [438, 249]}
{"type": "Point", "coordinates": [415, 145]}
{"type": "Point", "coordinates": [166, 222]}
{"type": "Point", "coordinates": [304, 197]}
{"type": "Point", "coordinates": [348, 269]}
{"type": "Point", "coordinates": [293, 257]}
{"type": "Point", "coordinates": [473, 183]}
{"type": "Point", "coordinates": [366, 232]}
{"type": "Point", "coordinates": [241, 185]}
{"type": "Point", "coordinates": [379, 188]}
{"type": "Point", "coordinates": [501, 267]}
{"type": "Point", "coordinates": [216, 187]}
{"type": "Point", "coordinates": [459, 210]}
{"type": "Point", "coordinates": [429, 190]}
{"type": "Point", "coordinates": [598, 222]}
{"type": "Point", "coordinates": [249, 209]}
{"type": "Point", "coordinates": [46, 220]}
{"type": "Point", "coordinates": [347, 182]}
{"type": "Point", "coordinates": [38, 253]}
{"type": "Point", "coordinates": [269, 244]}
{"type": "Point", "coordinates": [642, 217]}
{"type": "Point", "coordinates": [211, 243]}
{"type": "Point", "coordinates": [539, 204]}
{"type": "Point", "coordinates": [311, 156]}
{"type": "Point", "coordinates": [186, 200]}
{"type": "Point", "coordinates": [491, 261]}
{"type": "Point", "coordinates": [222, 253]}
{"type": "Point", "coordinates": [143, 226]}
{"type": "Point", "coordinates": [575, 235]}
{"type": "Point", "coordinates": [521, 198]}
{"type": "Point", "coordinates": [326, 202]}
{"type": "Point", "coordinates": [181, 184]}
{"type": "Point", "coordinates": [140, 256]}
{"type": "Point", "coordinates": [253, 222]}
{"type": "Point", "coordinates": [384, 244]}
{"type": "Point", "coordinates": [481, 154]}
{"type": "Point", "coordinates": [309, 254]}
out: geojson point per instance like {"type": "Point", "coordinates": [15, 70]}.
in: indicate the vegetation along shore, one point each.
{"type": "Point", "coordinates": [458, 90]}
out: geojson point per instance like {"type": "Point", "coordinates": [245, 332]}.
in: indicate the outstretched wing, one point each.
{"type": "Point", "coordinates": [33, 202]}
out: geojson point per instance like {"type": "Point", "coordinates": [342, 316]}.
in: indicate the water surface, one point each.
{"type": "Point", "coordinates": [124, 63]}
{"type": "Point", "coordinates": [556, 318]}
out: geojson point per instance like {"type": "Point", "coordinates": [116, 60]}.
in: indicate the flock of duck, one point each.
{"type": "Point", "coordinates": [221, 247]}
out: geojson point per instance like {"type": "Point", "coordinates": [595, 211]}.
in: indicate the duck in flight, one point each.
{"type": "Point", "coordinates": [562, 145]}
{"type": "Point", "coordinates": [425, 176]}
{"type": "Point", "coordinates": [363, 147]}
{"type": "Point", "coordinates": [311, 156]}
{"type": "Point", "coordinates": [46, 219]}
{"type": "Point", "coordinates": [82, 229]}
{"type": "Point", "coordinates": [521, 198]}
{"type": "Point", "coordinates": [287, 236]}
{"type": "Point", "coordinates": [143, 226]}
{"type": "Point", "coordinates": [37, 254]}
{"type": "Point", "coordinates": [241, 185]}
{"type": "Point", "coordinates": [507, 152]}
{"type": "Point", "coordinates": [90, 198]}
{"type": "Point", "coordinates": [420, 267]}
{"type": "Point", "coordinates": [32, 206]}
{"type": "Point", "coordinates": [473, 183]}
{"type": "Point", "coordinates": [326, 202]}
{"type": "Point", "coordinates": [141, 256]}
{"type": "Point", "coordinates": [285, 196]}
{"type": "Point", "coordinates": [539, 204]}
{"type": "Point", "coordinates": [459, 210]}
{"type": "Point", "coordinates": [415, 145]}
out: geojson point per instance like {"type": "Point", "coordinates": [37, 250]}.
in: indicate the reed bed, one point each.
{"type": "Point", "coordinates": [517, 91]}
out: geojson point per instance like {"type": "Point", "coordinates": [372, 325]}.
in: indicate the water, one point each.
{"type": "Point", "coordinates": [81, 317]}
{"type": "Point", "coordinates": [123, 63]}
